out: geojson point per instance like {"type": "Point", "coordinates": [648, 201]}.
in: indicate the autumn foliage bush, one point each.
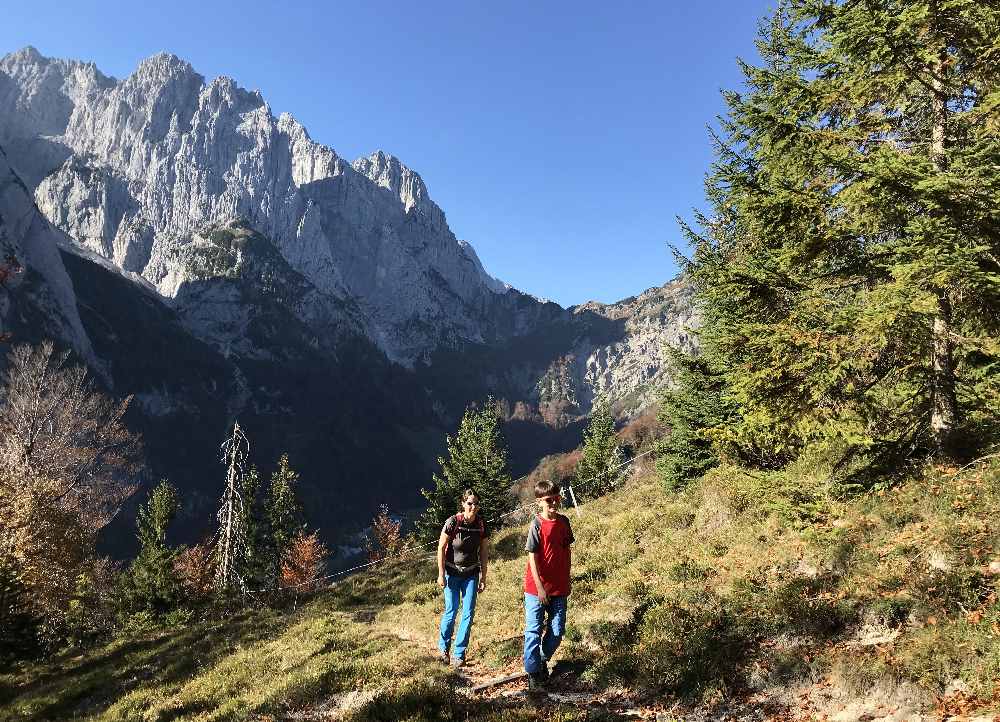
{"type": "Point", "coordinates": [642, 432]}
{"type": "Point", "coordinates": [385, 539]}
{"type": "Point", "coordinates": [195, 570]}
{"type": "Point", "coordinates": [303, 563]}
{"type": "Point", "coordinates": [559, 468]}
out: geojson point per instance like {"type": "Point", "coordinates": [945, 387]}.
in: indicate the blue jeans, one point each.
{"type": "Point", "coordinates": [539, 646]}
{"type": "Point", "coordinates": [456, 587]}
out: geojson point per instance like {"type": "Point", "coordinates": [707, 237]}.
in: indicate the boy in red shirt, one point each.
{"type": "Point", "coordinates": [546, 583]}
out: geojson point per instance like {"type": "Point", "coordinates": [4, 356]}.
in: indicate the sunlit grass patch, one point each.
{"type": "Point", "coordinates": [743, 581]}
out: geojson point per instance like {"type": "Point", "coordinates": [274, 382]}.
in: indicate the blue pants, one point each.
{"type": "Point", "coordinates": [538, 646]}
{"type": "Point", "coordinates": [456, 587]}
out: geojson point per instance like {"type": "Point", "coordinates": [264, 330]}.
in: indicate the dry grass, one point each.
{"type": "Point", "coordinates": [743, 582]}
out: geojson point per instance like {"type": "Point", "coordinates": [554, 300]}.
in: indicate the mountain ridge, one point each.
{"type": "Point", "coordinates": [164, 152]}
{"type": "Point", "coordinates": [294, 276]}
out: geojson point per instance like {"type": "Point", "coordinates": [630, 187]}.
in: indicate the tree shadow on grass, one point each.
{"type": "Point", "coordinates": [509, 546]}
{"type": "Point", "coordinates": [385, 585]}
{"type": "Point", "coordinates": [421, 701]}
{"type": "Point", "coordinates": [91, 683]}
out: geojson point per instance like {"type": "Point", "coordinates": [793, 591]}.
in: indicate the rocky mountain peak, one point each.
{"type": "Point", "coordinates": [134, 169]}
{"type": "Point", "coordinates": [146, 171]}
{"type": "Point", "coordinates": [38, 94]}
{"type": "Point", "coordinates": [28, 63]}
{"type": "Point", "coordinates": [387, 171]}
{"type": "Point", "coordinates": [27, 54]}
{"type": "Point", "coordinates": [163, 66]}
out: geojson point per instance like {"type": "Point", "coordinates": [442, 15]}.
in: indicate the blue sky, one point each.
{"type": "Point", "coordinates": [560, 138]}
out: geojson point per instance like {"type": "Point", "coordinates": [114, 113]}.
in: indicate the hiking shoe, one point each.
{"type": "Point", "coordinates": [536, 681]}
{"type": "Point", "coordinates": [443, 658]}
{"type": "Point", "coordinates": [458, 662]}
{"type": "Point", "coordinates": [543, 670]}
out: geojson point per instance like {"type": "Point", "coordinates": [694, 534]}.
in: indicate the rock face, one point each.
{"type": "Point", "coordinates": [630, 371]}
{"type": "Point", "coordinates": [325, 303]}
{"type": "Point", "coordinates": [138, 170]}
{"type": "Point", "coordinates": [133, 169]}
{"type": "Point", "coordinates": [36, 295]}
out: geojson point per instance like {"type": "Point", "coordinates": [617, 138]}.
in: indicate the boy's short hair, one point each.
{"type": "Point", "coordinates": [545, 487]}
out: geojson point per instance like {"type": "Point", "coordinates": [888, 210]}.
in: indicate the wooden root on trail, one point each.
{"type": "Point", "coordinates": [498, 681]}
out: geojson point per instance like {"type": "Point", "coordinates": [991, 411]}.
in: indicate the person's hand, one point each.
{"type": "Point", "coordinates": [441, 580]}
{"type": "Point", "coordinates": [482, 583]}
{"type": "Point", "coordinates": [543, 597]}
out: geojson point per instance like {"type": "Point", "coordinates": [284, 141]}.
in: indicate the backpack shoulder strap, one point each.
{"type": "Point", "coordinates": [453, 521]}
{"type": "Point", "coordinates": [454, 526]}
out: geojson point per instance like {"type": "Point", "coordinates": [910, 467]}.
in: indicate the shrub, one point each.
{"type": "Point", "coordinates": [695, 642]}
{"type": "Point", "coordinates": [303, 563]}
{"type": "Point", "coordinates": [384, 540]}
{"type": "Point", "coordinates": [195, 571]}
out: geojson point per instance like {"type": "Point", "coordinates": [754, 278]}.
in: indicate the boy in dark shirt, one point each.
{"type": "Point", "coordinates": [546, 583]}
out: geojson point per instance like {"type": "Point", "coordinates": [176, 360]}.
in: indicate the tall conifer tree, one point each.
{"type": "Point", "coordinates": [257, 567]}
{"type": "Point", "coordinates": [152, 582]}
{"type": "Point", "coordinates": [477, 460]}
{"type": "Point", "coordinates": [848, 271]}
{"type": "Point", "coordinates": [284, 515]}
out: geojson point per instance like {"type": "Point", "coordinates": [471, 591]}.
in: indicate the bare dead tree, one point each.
{"type": "Point", "coordinates": [61, 441]}
{"type": "Point", "coordinates": [232, 548]}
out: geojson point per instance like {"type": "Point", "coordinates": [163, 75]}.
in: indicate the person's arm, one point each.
{"type": "Point", "coordinates": [539, 587]}
{"type": "Point", "coordinates": [484, 558]}
{"type": "Point", "coordinates": [442, 545]}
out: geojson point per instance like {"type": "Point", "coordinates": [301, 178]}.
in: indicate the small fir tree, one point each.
{"type": "Point", "coordinates": [284, 515]}
{"type": "Point", "coordinates": [600, 466]}
{"type": "Point", "coordinates": [695, 405]}
{"type": "Point", "coordinates": [195, 570]}
{"type": "Point", "coordinates": [303, 562]}
{"type": "Point", "coordinates": [152, 583]}
{"type": "Point", "coordinates": [477, 460]}
{"type": "Point", "coordinates": [256, 566]}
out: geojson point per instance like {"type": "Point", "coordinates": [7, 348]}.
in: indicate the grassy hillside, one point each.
{"type": "Point", "coordinates": [747, 591]}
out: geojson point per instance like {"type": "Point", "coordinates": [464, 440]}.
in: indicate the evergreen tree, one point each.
{"type": "Point", "coordinates": [257, 566]}
{"type": "Point", "coordinates": [284, 515]}
{"type": "Point", "coordinates": [600, 466]}
{"type": "Point", "coordinates": [477, 460]}
{"type": "Point", "coordinates": [18, 621]}
{"type": "Point", "coordinates": [695, 405]}
{"type": "Point", "coordinates": [848, 272]}
{"type": "Point", "coordinates": [152, 583]}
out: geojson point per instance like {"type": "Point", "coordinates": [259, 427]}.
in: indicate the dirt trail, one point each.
{"type": "Point", "coordinates": [817, 701]}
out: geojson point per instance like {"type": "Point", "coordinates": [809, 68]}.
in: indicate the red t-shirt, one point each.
{"type": "Point", "coordinates": [551, 539]}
